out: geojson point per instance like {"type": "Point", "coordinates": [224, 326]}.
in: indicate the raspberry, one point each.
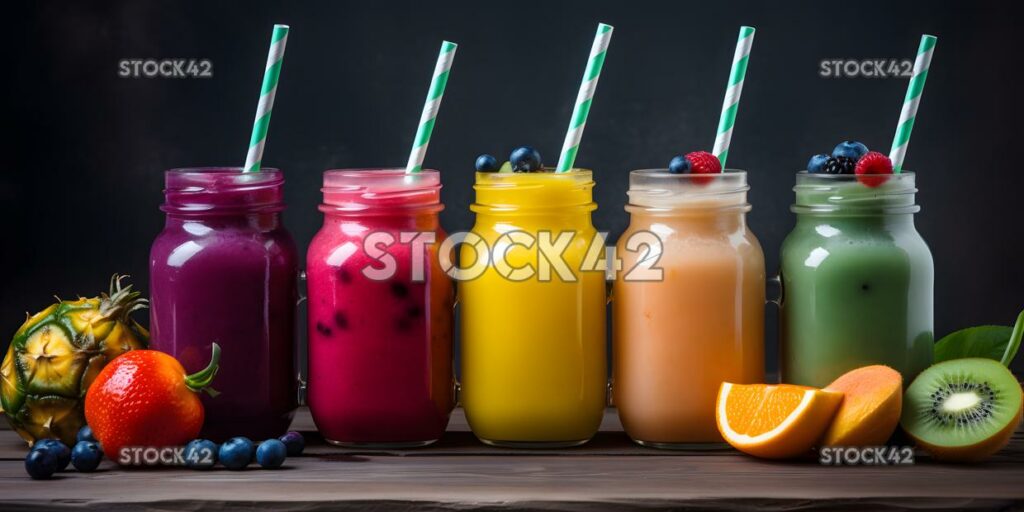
{"type": "Point", "coordinates": [702, 162]}
{"type": "Point", "coordinates": [872, 168]}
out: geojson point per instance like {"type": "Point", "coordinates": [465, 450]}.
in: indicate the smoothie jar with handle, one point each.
{"type": "Point", "coordinates": [224, 270]}
{"type": "Point", "coordinates": [380, 311]}
{"type": "Point", "coordinates": [857, 279]}
{"type": "Point", "coordinates": [688, 304]}
{"type": "Point", "coordinates": [533, 332]}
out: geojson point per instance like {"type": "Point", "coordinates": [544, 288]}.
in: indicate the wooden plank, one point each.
{"type": "Point", "coordinates": [459, 473]}
{"type": "Point", "coordinates": [548, 482]}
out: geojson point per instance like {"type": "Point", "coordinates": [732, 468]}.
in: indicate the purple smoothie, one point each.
{"type": "Point", "coordinates": [224, 270]}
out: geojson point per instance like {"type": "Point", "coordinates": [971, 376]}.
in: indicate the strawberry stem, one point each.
{"type": "Point", "coordinates": [200, 381]}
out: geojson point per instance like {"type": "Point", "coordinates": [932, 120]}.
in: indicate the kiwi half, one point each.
{"type": "Point", "coordinates": [963, 409]}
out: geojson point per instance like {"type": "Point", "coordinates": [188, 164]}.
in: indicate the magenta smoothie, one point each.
{"type": "Point", "coordinates": [380, 337]}
{"type": "Point", "coordinates": [224, 270]}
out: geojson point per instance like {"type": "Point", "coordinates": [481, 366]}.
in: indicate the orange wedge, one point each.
{"type": "Point", "coordinates": [774, 421]}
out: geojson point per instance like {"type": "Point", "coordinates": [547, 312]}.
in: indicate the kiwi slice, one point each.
{"type": "Point", "coordinates": [963, 409]}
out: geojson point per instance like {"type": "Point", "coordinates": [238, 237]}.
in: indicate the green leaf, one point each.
{"type": "Point", "coordinates": [988, 341]}
{"type": "Point", "coordinates": [1014, 344]}
{"type": "Point", "coordinates": [996, 342]}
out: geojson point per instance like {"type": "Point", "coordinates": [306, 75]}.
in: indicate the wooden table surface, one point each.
{"type": "Point", "coordinates": [461, 474]}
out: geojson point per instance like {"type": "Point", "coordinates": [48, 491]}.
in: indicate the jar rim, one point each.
{"type": "Point", "coordinates": [850, 177]}
{"type": "Point", "coordinates": [197, 191]}
{"type": "Point", "coordinates": [855, 195]}
{"type": "Point", "coordinates": [536, 192]}
{"type": "Point", "coordinates": [664, 173]}
{"type": "Point", "coordinates": [385, 190]}
{"type": "Point", "coordinates": [226, 169]}
{"type": "Point", "coordinates": [661, 191]}
{"type": "Point", "coordinates": [548, 174]}
{"type": "Point", "coordinates": [377, 172]}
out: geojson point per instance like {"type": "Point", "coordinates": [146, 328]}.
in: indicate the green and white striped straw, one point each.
{"type": "Point", "coordinates": [731, 103]}
{"type": "Point", "coordinates": [909, 113]}
{"type": "Point", "coordinates": [430, 108]}
{"type": "Point", "coordinates": [275, 57]}
{"type": "Point", "coordinates": [583, 100]}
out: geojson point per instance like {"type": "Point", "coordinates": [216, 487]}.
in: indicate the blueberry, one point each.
{"type": "Point", "coordinates": [85, 434]}
{"type": "Point", "coordinates": [817, 163]}
{"type": "Point", "coordinates": [201, 454]}
{"type": "Point", "coordinates": [236, 453]}
{"type": "Point", "coordinates": [59, 450]}
{"type": "Point", "coordinates": [850, 149]}
{"type": "Point", "coordinates": [679, 165]}
{"type": "Point", "coordinates": [486, 163]}
{"type": "Point", "coordinates": [271, 453]}
{"type": "Point", "coordinates": [40, 463]}
{"type": "Point", "coordinates": [86, 456]}
{"type": "Point", "coordinates": [294, 442]}
{"type": "Point", "coordinates": [525, 159]}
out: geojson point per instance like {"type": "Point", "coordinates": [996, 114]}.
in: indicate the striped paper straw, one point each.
{"type": "Point", "coordinates": [911, 102]}
{"type": "Point", "coordinates": [731, 103]}
{"type": "Point", "coordinates": [583, 100]}
{"type": "Point", "coordinates": [275, 57]}
{"type": "Point", "coordinates": [430, 108]}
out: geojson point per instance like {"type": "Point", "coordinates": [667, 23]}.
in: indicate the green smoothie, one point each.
{"type": "Point", "coordinates": [857, 281]}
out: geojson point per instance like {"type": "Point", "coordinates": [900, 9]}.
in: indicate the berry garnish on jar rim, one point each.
{"type": "Point", "coordinates": [697, 162]}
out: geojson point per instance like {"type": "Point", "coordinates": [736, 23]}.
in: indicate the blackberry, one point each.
{"type": "Point", "coordinates": [839, 165]}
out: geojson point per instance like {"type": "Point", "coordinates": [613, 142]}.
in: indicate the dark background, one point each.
{"type": "Point", "coordinates": [82, 182]}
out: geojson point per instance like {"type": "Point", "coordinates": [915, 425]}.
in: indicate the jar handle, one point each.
{"type": "Point", "coordinates": [775, 285]}
{"type": "Point", "coordinates": [302, 288]}
{"type": "Point", "coordinates": [456, 385]}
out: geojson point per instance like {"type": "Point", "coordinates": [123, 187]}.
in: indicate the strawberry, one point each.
{"type": "Point", "coordinates": [143, 398]}
{"type": "Point", "coordinates": [872, 168]}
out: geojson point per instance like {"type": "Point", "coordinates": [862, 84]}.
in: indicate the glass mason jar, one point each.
{"type": "Point", "coordinates": [224, 269]}
{"type": "Point", "coordinates": [533, 332]}
{"type": "Point", "coordinates": [687, 306]}
{"type": "Point", "coordinates": [857, 279]}
{"type": "Point", "coordinates": [380, 311]}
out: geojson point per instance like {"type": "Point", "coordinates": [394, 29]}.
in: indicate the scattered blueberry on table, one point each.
{"type": "Point", "coordinates": [236, 453]}
{"type": "Point", "coordinates": [85, 434]}
{"type": "Point", "coordinates": [294, 442]}
{"type": "Point", "coordinates": [58, 449]}
{"type": "Point", "coordinates": [201, 454]}
{"type": "Point", "coordinates": [86, 456]}
{"type": "Point", "coordinates": [40, 464]}
{"type": "Point", "coordinates": [271, 453]}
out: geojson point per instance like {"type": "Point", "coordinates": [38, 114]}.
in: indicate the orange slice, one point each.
{"type": "Point", "coordinates": [774, 421]}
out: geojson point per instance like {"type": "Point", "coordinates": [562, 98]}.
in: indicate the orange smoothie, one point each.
{"type": "Point", "coordinates": [677, 336]}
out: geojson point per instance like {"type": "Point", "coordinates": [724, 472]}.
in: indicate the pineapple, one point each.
{"type": "Point", "coordinates": [58, 352]}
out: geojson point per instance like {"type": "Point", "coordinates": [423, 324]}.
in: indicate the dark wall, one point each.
{"type": "Point", "coordinates": [80, 190]}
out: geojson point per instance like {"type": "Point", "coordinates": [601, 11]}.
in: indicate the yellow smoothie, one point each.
{"type": "Point", "coordinates": [533, 346]}
{"type": "Point", "coordinates": [675, 340]}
